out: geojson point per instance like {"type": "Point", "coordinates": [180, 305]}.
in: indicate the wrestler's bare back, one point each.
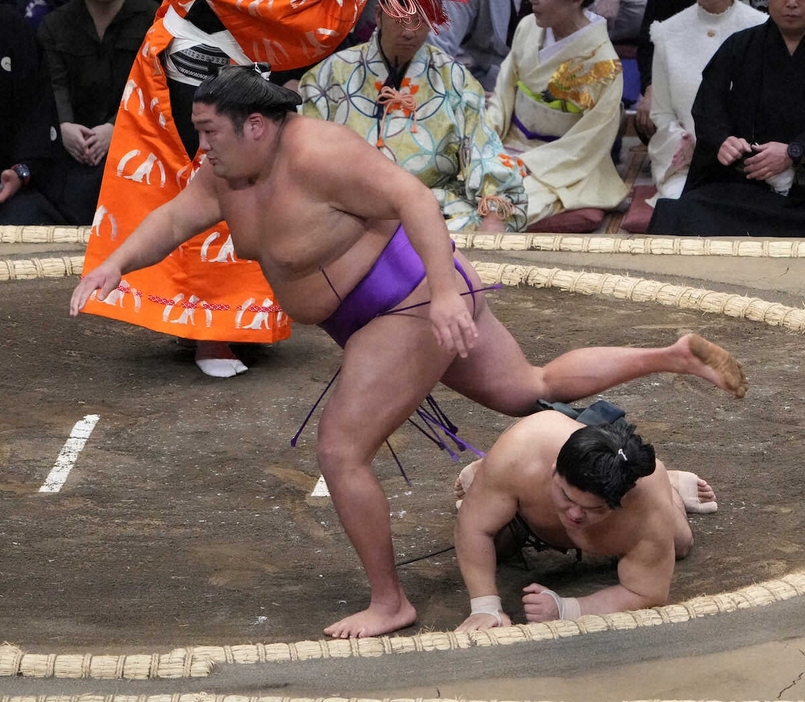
{"type": "Point", "coordinates": [293, 221]}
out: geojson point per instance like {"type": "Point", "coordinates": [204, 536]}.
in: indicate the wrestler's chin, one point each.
{"type": "Point", "coordinates": [220, 171]}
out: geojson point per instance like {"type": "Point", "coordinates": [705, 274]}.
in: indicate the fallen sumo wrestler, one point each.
{"type": "Point", "coordinates": [552, 482]}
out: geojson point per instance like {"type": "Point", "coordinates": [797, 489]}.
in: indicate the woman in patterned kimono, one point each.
{"type": "Point", "coordinates": [202, 291]}
{"type": "Point", "coordinates": [556, 106]}
{"type": "Point", "coordinates": [425, 112]}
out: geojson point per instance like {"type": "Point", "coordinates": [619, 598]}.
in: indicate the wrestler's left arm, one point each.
{"type": "Point", "coordinates": [376, 188]}
{"type": "Point", "coordinates": [644, 580]}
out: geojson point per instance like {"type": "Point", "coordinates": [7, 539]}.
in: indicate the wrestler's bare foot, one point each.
{"type": "Point", "coordinates": [463, 481]}
{"type": "Point", "coordinates": [715, 364]}
{"type": "Point", "coordinates": [375, 620]}
{"type": "Point", "coordinates": [696, 493]}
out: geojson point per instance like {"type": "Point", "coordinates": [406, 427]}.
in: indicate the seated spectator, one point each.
{"type": "Point", "coordinates": [746, 175]}
{"type": "Point", "coordinates": [90, 46]}
{"type": "Point", "coordinates": [479, 34]}
{"type": "Point", "coordinates": [659, 11]}
{"type": "Point", "coordinates": [426, 113]}
{"type": "Point", "coordinates": [27, 125]}
{"type": "Point", "coordinates": [683, 45]}
{"type": "Point", "coordinates": [655, 11]}
{"type": "Point", "coordinates": [557, 106]}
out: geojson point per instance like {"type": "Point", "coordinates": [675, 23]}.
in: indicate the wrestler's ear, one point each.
{"type": "Point", "coordinates": [255, 125]}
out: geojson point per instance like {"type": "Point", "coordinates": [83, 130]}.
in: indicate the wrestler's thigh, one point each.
{"type": "Point", "coordinates": [388, 368]}
{"type": "Point", "coordinates": [496, 373]}
{"type": "Point", "coordinates": [474, 278]}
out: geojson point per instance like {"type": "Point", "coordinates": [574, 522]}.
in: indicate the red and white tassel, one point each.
{"type": "Point", "coordinates": [431, 11]}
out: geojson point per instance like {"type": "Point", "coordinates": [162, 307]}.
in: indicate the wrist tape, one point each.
{"type": "Point", "coordinates": [568, 607]}
{"type": "Point", "coordinates": [488, 604]}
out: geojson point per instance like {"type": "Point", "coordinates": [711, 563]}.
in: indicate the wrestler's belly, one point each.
{"type": "Point", "coordinates": [313, 296]}
{"type": "Point", "coordinates": [308, 301]}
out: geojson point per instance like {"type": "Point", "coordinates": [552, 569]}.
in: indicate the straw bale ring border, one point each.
{"type": "Point", "coordinates": [578, 243]}
{"type": "Point", "coordinates": [10, 234]}
{"type": "Point", "coordinates": [644, 290]}
{"type": "Point", "coordinates": [198, 661]}
{"type": "Point", "coordinates": [656, 245]}
{"type": "Point", "coordinates": [621, 287]}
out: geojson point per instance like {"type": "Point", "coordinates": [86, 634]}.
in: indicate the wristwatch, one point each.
{"type": "Point", "coordinates": [795, 151]}
{"type": "Point", "coordinates": [23, 172]}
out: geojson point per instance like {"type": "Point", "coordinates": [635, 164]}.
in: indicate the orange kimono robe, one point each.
{"type": "Point", "coordinates": [200, 291]}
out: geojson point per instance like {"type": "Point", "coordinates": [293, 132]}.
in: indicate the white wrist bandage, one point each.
{"type": "Point", "coordinates": [488, 604]}
{"type": "Point", "coordinates": [568, 607]}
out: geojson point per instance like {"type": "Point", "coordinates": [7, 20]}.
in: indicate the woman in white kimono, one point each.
{"type": "Point", "coordinates": [683, 45]}
{"type": "Point", "coordinates": [556, 106]}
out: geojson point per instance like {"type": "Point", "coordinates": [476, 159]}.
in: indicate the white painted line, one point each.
{"type": "Point", "coordinates": [69, 453]}
{"type": "Point", "coordinates": [321, 489]}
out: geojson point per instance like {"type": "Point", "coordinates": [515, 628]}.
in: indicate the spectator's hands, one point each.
{"type": "Point", "coordinates": [98, 142]}
{"type": "Point", "coordinates": [75, 138]}
{"type": "Point", "coordinates": [105, 278]}
{"type": "Point", "coordinates": [768, 160]}
{"type": "Point", "coordinates": [479, 622]}
{"type": "Point", "coordinates": [10, 184]}
{"type": "Point", "coordinates": [732, 149]}
{"type": "Point", "coordinates": [452, 323]}
{"type": "Point", "coordinates": [539, 607]}
{"type": "Point", "coordinates": [683, 154]}
{"type": "Point", "coordinates": [643, 115]}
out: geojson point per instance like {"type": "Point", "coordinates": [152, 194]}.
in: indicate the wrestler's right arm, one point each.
{"type": "Point", "coordinates": [192, 211]}
{"type": "Point", "coordinates": [488, 506]}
